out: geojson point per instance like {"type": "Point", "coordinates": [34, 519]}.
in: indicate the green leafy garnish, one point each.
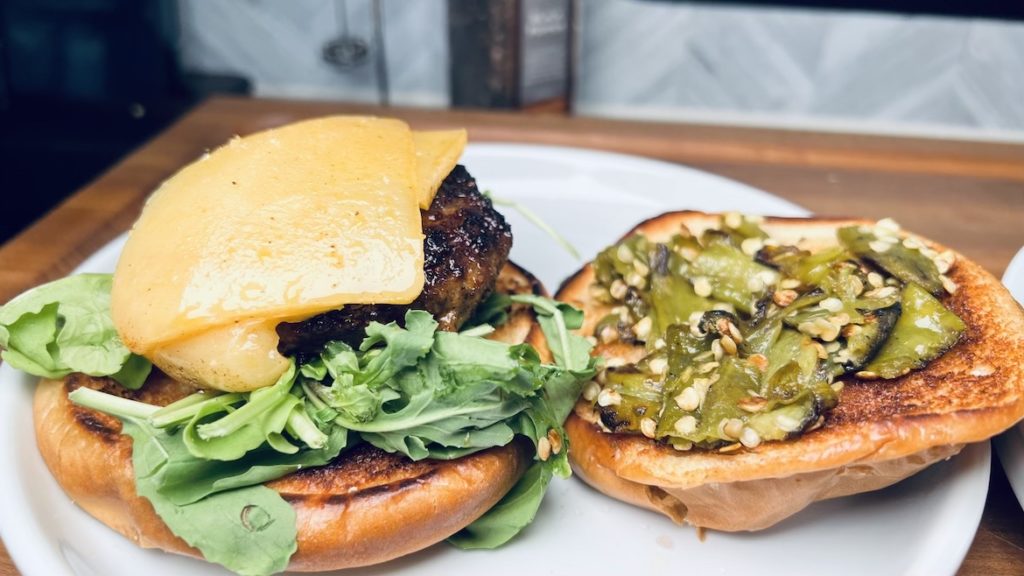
{"type": "Point", "coordinates": [447, 394]}
{"type": "Point", "coordinates": [491, 312]}
{"type": "Point", "coordinates": [556, 319]}
{"type": "Point", "coordinates": [261, 418]}
{"type": "Point", "coordinates": [65, 326]}
{"type": "Point", "coordinates": [184, 478]}
{"type": "Point", "coordinates": [548, 411]}
{"type": "Point", "coordinates": [248, 530]}
{"type": "Point", "coordinates": [409, 389]}
{"type": "Point", "coordinates": [536, 221]}
{"type": "Point", "coordinates": [509, 516]}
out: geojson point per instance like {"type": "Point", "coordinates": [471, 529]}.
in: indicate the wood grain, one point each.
{"type": "Point", "coordinates": [968, 195]}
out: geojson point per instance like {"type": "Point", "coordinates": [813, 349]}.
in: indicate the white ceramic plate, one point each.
{"type": "Point", "coordinates": [922, 526]}
{"type": "Point", "coordinates": [1011, 443]}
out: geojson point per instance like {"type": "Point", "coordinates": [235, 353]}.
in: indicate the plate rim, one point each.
{"type": "Point", "coordinates": [1010, 444]}
{"type": "Point", "coordinates": [590, 154]}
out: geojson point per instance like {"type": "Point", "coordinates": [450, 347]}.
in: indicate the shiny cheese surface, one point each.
{"type": "Point", "coordinates": [437, 153]}
{"type": "Point", "coordinates": [233, 358]}
{"type": "Point", "coordinates": [279, 225]}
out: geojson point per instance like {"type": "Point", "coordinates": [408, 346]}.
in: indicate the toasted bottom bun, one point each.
{"type": "Point", "coordinates": [366, 507]}
{"type": "Point", "coordinates": [881, 431]}
{"type": "Point", "coordinates": [735, 506]}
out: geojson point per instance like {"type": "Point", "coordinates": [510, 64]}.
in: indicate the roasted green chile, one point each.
{"type": "Point", "coordinates": [925, 329]}
{"type": "Point", "coordinates": [905, 263]}
{"type": "Point", "coordinates": [748, 339]}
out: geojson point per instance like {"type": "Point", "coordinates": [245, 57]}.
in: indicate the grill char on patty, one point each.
{"type": "Point", "coordinates": [466, 243]}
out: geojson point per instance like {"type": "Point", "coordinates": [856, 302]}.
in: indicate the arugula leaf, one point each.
{"type": "Point", "coordinates": [536, 221]}
{"type": "Point", "coordinates": [510, 515]}
{"type": "Point", "coordinates": [403, 347]}
{"type": "Point", "coordinates": [184, 478]}
{"type": "Point", "coordinates": [463, 361]}
{"type": "Point", "coordinates": [538, 423]}
{"type": "Point", "coordinates": [407, 389]}
{"type": "Point", "coordinates": [359, 403]}
{"type": "Point", "coordinates": [28, 339]}
{"type": "Point", "coordinates": [248, 530]}
{"type": "Point", "coordinates": [556, 320]}
{"type": "Point", "coordinates": [450, 397]}
{"type": "Point", "coordinates": [64, 326]}
{"type": "Point", "coordinates": [561, 386]}
{"type": "Point", "coordinates": [133, 372]}
{"type": "Point", "coordinates": [261, 419]}
{"type": "Point", "coordinates": [478, 331]}
{"type": "Point", "coordinates": [182, 411]}
{"type": "Point", "coordinates": [446, 440]}
{"type": "Point", "coordinates": [221, 508]}
{"type": "Point", "coordinates": [484, 403]}
{"type": "Point", "coordinates": [314, 369]}
{"type": "Point", "coordinates": [492, 311]}
{"type": "Point", "coordinates": [358, 377]}
{"type": "Point", "coordinates": [114, 405]}
{"type": "Point", "coordinates": [465, 394]}
{"type": "Point", "coordinates": [258, 429]}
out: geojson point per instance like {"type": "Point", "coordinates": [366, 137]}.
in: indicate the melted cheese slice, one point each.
{"type": "Point", "coordinates": [233, 358]}
{"type": "Point", "coordinates": [280, 225]}
{"type": "Point", "coordinates": [436, 154]}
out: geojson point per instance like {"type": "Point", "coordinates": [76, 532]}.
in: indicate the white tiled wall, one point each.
{"type": "Point", "coordinates": [654, 59]}
{"type": "Point", "coordinates": [773, 63]}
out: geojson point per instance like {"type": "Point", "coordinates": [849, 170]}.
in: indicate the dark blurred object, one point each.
{"type": "Point", "coordinates": [348, 50]}
{"type": "Point", "coordinates": [966, 8]}
{"type": "Point", "coordinates": [510, 53]}
{"type": "Point", "coordinates": [83, 83]}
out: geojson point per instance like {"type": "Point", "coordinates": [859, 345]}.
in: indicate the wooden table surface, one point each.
{"type": "Point", "coordinates": [967, 195]}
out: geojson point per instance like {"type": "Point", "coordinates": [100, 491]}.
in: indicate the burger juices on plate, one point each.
{"type": "Point", "coordinates": [757, 365]}
{"type": "Point", "coordinates": [348, 367]}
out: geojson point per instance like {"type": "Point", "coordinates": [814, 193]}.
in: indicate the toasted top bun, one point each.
{"type": "Point", "coordinates": [366, 507]}
{"type": "Point", "coordinates": [881, 432]}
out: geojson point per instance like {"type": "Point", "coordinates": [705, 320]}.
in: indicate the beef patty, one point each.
{"type": "Point", "coordinates": [466, 243]}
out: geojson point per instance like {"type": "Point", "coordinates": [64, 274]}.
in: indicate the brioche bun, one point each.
{"type": "Point", "coordinates": [880, 433]}
{"type": "Point", "coordinates": [366, 507]}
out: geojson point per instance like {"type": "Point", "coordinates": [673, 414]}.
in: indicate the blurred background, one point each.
{"type": "Point", "coordinates": [82, 82]}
